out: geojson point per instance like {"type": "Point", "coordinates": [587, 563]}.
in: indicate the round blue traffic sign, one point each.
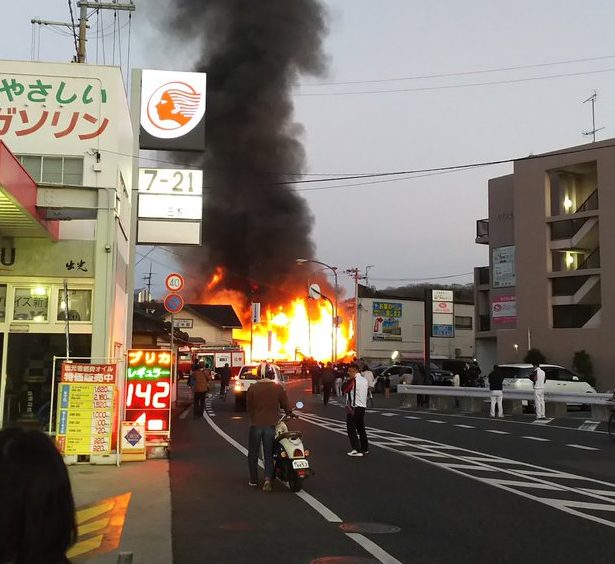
{"type": "Point", "coordinates": [173, 303]}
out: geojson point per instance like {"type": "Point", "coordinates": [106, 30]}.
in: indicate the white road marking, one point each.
{"type": "Point", "coordinates": [514, 476]}
{"type": "Point", "coordinates": [542, 439]}
{"type": "Point", "coordinates": [541, 421]}
{"type": "Point", "coordinates": [184, 413]}
{"type": "Point", "coordinates": [466, 426]}
{"type": "Point", "coordinates": [389, 414]}
{"type": "Point", "coordinates": [582, 447]}
{"type": "Point", "coordinates": [497, 432]}
{"type": "Point", "coordinates": [589, 425]}
{"type": "Point", "coordinates": [435, 421]}
{"type": "Point", "coordinates": [411, 417]}
{"type": "Point", "coordinates": [370, 546]}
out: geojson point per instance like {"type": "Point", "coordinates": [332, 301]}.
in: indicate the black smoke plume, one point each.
{"type": "Point", "coordinates": [254, 52]}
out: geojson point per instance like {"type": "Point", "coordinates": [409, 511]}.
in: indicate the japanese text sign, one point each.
{"type": "Point", "coordinates": [86, 405]}
{"type": "Point", "coordinates": [386, 319]}
{"type": "Point", "coordinates": [148, 387]}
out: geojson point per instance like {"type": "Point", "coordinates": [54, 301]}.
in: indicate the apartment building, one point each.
{"type": "Point", "coordinates": [551, 238]}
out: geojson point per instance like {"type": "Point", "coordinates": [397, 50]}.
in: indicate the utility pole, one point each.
{"type": "Point", "coordinates": [367, 272]}
{"type": "Point", "coordinates": [593, 130]}
{"type": "Point", "coordinates": [148, 283]}
{"type": "Point", "coordinates": [83, 20]}
{"type": "Point", "coordinates": [355, 274]}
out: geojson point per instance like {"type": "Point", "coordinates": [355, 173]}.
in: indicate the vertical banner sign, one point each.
{"type": "Point", "coordinates": [443, 314]}
{"type": "Point", "coordinates": [256, 313]}
{"type": "Point", "coordinates": [86, 405]}
{"type": "Point", "coordinates": [387, 321]}
{"type": "Point", "coordinates": [148, 389]}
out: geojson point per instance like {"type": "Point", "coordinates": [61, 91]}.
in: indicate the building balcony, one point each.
{"type": "Point", "coordinates": [575, 260]}
{"type": "Point", "coordinates": [482, 232]}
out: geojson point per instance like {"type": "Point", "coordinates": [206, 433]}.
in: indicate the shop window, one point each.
{"type": "Point", "coordinates": [79, 305]}
{"type": "Point", "coordinates": [2, 303]}
{"type": "Point", "coordinates": [31, 304]}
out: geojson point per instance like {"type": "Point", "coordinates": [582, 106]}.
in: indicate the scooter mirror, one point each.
{"type": "Point", "coordinates": [299, 405]}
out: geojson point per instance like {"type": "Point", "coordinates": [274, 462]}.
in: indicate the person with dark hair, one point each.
{"type": "Point", "coordinates": [200, 384]}
{"type": "Point", "coordinates": [37, 511]}
{"type": "Point", "coordinates": [328, 379]}
{"type": "Point", "coordinates": [264, 400]}
{"type": "Point", "coordinates": [225, 378]}
{"type": "Point", "coordinates": [356, 388]}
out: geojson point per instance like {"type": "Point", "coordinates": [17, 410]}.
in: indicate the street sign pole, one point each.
{"type": "Point", "coordinates": [173, 382]}
{"type": "Point", "coordinates": [427, 337]}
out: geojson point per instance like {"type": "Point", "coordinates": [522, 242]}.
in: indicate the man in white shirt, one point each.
{"type": "Point", "coordinates": [355, 390]}
{"type": "Point", "coordinates": [539, 391]}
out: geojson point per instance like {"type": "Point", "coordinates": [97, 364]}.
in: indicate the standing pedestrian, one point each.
{"type": "Point", "coordinates": [496, 377]}
{"type": "Point", "coordinates": [456, 383]}
{"type": "Point", "coordinates": [356, 402]}
{"type": "Point", "coordinates": [327, 378]}
{"type": "Point", "coordinates": [225, 378]}
{"type": "Point", "coordinates": [387, 386]}
{"type": "Point", "coordinates": [369, 376]}
{"type": "Point", "coordinates": [338, 382]}
{"type": "Point", "coordinates": [315, 373]}
{"type": "Point", "coordinates": [264, 400]}
{"type": "Point", "coordinates": [199, 389]}
{"type": "Point", "coordinates": [538, 377]}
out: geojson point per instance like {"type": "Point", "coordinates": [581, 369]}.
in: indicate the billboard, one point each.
{"type": "Point", "coordinates": [172, 110]}
{"type": "Point", "coordinates": [503, 267]}
{"type": "Point", "coordinates": [386, 321]}
{"type": "Point", "coordinates": [504, 310]}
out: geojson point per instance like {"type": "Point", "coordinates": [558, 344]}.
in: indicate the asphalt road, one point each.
{"type": "Point", "coordinates": [434, 488]}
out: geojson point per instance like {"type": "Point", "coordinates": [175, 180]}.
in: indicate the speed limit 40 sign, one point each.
{"type": "Point", "coordinates": [174, 282]}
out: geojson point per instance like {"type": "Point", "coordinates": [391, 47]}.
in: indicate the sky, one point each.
{"type": "Point", "coordinates": [412, 228]}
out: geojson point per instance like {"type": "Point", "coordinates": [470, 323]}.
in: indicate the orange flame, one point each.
{"type": "Point", "coordinates": [300, 328]}
{"type": "Point", "coordinates": [216, 278]}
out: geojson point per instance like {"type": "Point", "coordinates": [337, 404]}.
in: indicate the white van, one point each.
{"type": "Point", "coordinates": [559, 379]}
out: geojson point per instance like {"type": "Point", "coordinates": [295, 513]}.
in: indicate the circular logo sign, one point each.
{"type": "Point", "coordinates": [174, 282]}
{"type": "Point", "coordinates": [173, 109]}
{"type": "Point", "coordinates": [173, 303]}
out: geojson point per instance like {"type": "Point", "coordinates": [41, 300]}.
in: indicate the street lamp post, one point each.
{"type": "Point", "coordinates": [334, 270]}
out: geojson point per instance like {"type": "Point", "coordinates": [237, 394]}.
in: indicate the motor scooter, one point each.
{"type": "Point", "coordinates": [290, 462]}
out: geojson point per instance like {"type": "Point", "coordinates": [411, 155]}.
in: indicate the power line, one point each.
{"type": "Point", "coordinates": [461, 73]}
{"type": "Point", "coordinates": [443, 277]}
{"type": "Point", "coordinates": [454, 86]}
{"type": "Point", "coordinates": [387, 174]}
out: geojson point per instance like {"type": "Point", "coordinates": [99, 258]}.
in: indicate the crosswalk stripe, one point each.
{"type": "Point", "coordinates": [497, 432]}
{"type": "Point", "coordinates": [388, 414]}
{"type": "Point", "coordinates": [589, 425]}
{"type": "Point", "coordinates": [536, 439]}
{"type": "Point", "coordinates": [466, 426]}
{"type": "Point", "coordinates": [542, 421]}
{"type": "Point", "coordinates": [435, 421]}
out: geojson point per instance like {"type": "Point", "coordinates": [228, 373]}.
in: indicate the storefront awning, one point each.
{"type": "Point", "coordinates": [18, 214]}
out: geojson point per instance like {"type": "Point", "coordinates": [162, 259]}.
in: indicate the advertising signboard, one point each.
{"type": "Point", "coordinates": [172, 110]}
{"type": "Point", "coordinates": [148, 388]}
{"type": "Point", "coordinates": [503, 267]}
{"type": "Point", "coordinates": [443, 314]}
{"type": "Point", "coordinates": [504, 310]}
{"type": "Point", "coordinates": [86, 406]}
{"type": "Point", "coordinates": [387, 321]}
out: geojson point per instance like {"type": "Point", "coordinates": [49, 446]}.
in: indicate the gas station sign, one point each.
{"type": "Point", "coordinates": [86, 405]}
{"type": "Point", "coordinates": [148, 389]}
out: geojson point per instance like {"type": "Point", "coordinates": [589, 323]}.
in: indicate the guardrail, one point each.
{"type": "Point", "coordinates": [473, 398]}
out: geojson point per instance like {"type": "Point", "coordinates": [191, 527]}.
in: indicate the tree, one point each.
{"type": "Point", "coordinates": [582, 363]}
{"type": "Point", "coordinates": [535, 356]}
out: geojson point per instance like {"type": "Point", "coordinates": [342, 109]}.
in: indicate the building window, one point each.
{"type": "Point", "coordinates": [54, 170]}
{"type": "Point", "coordinates": [2, 302]}
{"type": "Point", "coordinates": [463, 322]}
{"type": "Point", "coordinates": [31, 304]}
{"type": "Point", "coordinates": [79, 305]}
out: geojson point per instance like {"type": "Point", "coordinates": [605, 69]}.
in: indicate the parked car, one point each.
{"type": "Point", "coordinates": [461, 367]}
{"type": "Point", "coordinates": [558, 379]}
{"type": "Point", "coordinates": [437, 376]}
{"type": "Point", "coordinates": [250, 374]}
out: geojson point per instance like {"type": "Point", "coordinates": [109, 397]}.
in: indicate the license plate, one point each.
{"type": "Point", "coordinates": [302, 463]}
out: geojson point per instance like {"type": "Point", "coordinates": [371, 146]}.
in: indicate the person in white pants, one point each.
{"type": "Point", "coordinates": [495, 386]}
{"type": "Point", "coordinates": [539, 391]}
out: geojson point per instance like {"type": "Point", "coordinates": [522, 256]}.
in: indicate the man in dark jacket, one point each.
{"type": "Point", "coordinates": [328, 379]}
{"type": "Point", "coordinates": [264, 400]}
{"type": "Point", "coordinates": [496, 377]}
{"type": "Point", "coordinates": [225, 378]}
